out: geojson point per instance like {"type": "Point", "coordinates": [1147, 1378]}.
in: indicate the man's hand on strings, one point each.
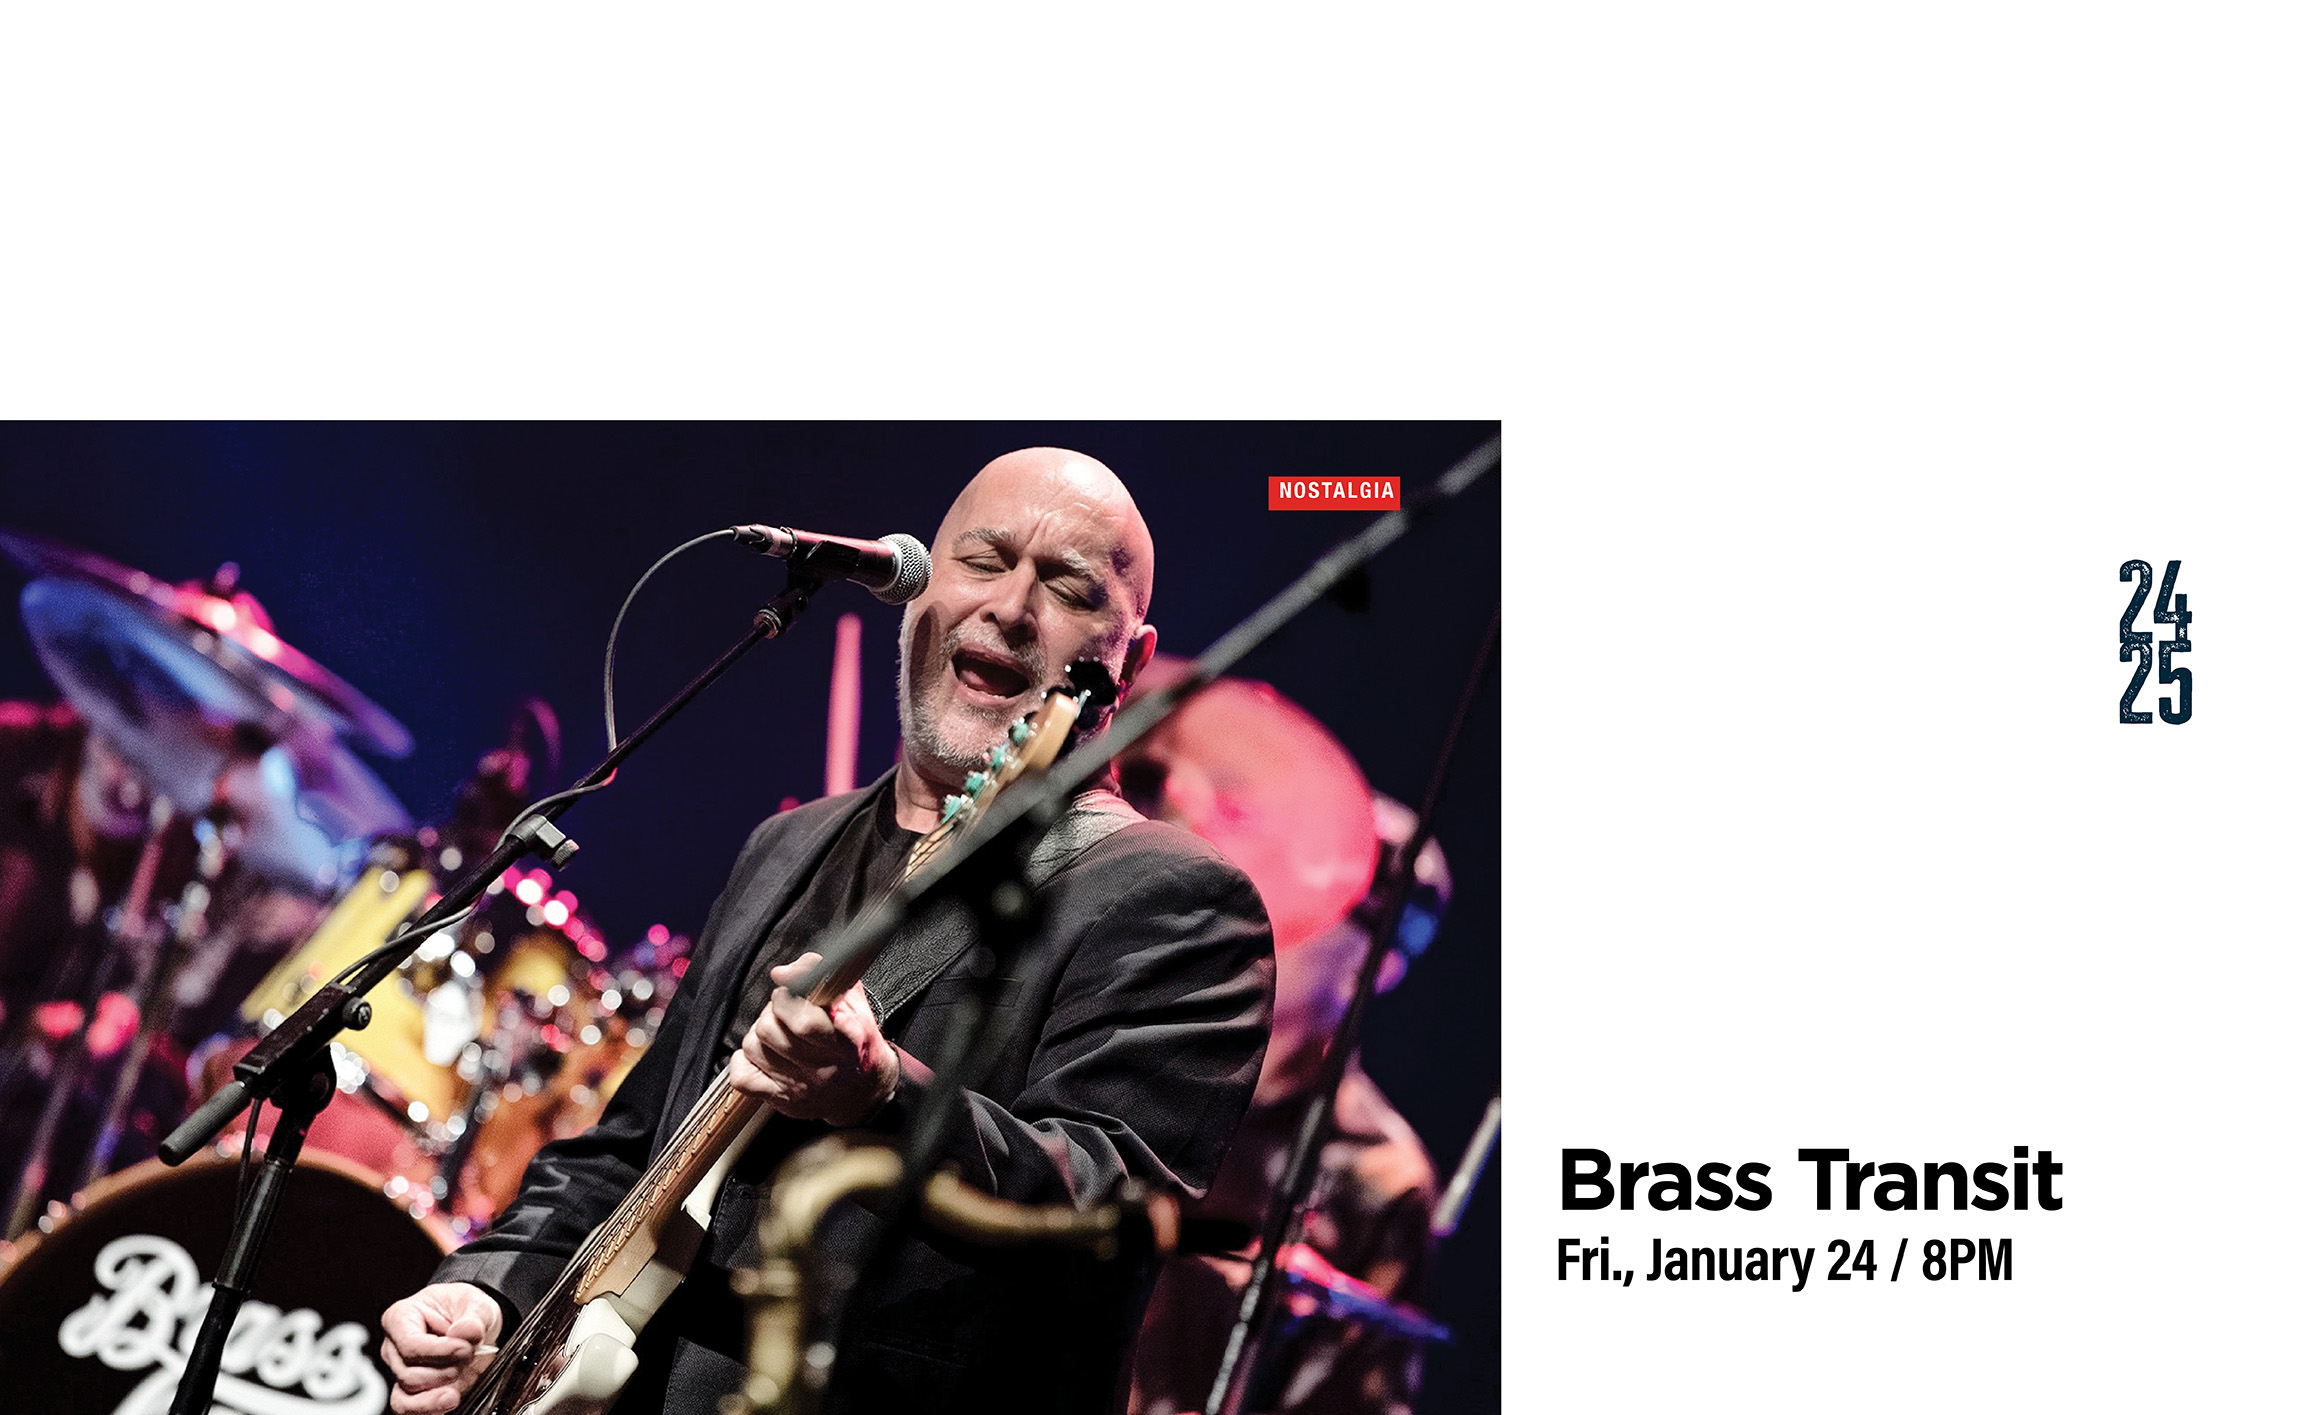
{"type": "Point", "coordinates": [816, 1063]}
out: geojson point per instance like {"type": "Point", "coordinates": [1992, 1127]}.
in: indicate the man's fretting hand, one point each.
{"type": "Point", "coordinates": [816, 1063]}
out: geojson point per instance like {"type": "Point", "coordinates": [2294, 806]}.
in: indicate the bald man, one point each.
{"type": "Point", "coordinates": [1135, 1020]}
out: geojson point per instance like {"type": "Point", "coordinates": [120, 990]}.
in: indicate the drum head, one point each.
{"type": "Point", "coordinates": [99, 1315]}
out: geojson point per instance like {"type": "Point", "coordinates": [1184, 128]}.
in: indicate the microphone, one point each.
{"type": "Point", "coordinates": [893, 568]}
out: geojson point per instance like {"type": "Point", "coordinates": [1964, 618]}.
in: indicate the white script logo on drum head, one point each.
{"type": "Point", "coordinates": [147, 1313]}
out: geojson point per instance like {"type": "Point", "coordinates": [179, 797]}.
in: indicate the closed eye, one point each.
{"type": "Point", "coordinates": [1069, 578]}
{"type": "Point", "coordinates": [1074, 594]}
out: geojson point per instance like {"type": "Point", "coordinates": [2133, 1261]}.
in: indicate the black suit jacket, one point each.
{"type": "Point", "coordinates": [1138, 1016]}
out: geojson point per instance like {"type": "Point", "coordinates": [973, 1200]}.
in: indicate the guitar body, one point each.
{"type": "Point", "coordinates": [575, 1353]}
{"type": "Point", "coordinates": [584, 1363]}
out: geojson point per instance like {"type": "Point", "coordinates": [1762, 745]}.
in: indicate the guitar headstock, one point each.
{"type": "Point", "coordinates": [1034, 742]}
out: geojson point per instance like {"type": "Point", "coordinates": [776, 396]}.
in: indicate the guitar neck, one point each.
{"type": "Point", "coordinates": [630, 1235]}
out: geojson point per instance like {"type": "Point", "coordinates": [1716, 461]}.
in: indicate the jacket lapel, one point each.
{"type": "Point", "coordinates": [766, 890]}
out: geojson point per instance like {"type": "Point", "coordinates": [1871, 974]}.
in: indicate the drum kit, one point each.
{"type": "Point", "coordinates": [509, 1031]}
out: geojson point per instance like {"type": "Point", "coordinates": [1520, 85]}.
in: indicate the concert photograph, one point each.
{"type": "Point", "coordinates": [703, 918]}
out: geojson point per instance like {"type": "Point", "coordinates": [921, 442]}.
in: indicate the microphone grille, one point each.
{"type": "Point", "coordinates": [912, 565]}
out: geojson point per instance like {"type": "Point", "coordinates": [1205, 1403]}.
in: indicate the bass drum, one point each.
{"type": "Point", "coordinates": [98, 1317]}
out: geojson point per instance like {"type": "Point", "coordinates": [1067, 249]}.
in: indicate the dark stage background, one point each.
{"type": "Point", "coordinates": [450, 570]}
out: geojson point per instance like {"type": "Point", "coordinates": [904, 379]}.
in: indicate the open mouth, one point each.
{"type": "Point", "coordinates": [991, 677]}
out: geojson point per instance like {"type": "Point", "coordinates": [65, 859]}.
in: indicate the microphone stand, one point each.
{"type": "Point", "coordinates": [1250, 1333]}
{"type": "Point", "coordinates": [984, 866]}
{"type": "Point", "coordinates": [293, 1067]}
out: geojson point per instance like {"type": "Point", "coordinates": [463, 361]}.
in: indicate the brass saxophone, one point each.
{"type": "Point", "coordinates": [791, 1361]}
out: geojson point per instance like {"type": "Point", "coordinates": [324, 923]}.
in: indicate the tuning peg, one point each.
{"type": "Point", "coordinates": [952, 805]}
{"type": "Point", "coordinates": [975, 781]}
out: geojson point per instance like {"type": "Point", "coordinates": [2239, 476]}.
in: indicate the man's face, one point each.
{"type": "Point", "coordinates": [1031, 573]}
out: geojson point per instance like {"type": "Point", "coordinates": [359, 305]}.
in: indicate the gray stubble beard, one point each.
{"type": "Point", "coordinates": [922, 730]}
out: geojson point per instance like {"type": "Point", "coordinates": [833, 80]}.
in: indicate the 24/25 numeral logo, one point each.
{"type": "Point", "coordinates": [2170, 609]}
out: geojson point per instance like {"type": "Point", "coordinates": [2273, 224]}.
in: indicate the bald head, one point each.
{"type": "Point", "coordinates": [1042, 561]}
{"type": "Point", "coordinates": [1101, 522]}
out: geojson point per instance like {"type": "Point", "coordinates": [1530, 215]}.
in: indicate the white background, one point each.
{"type": "Point", "coordinates": [1844, 355]}
{"type": "Point", "coordinates": [1874, 350]}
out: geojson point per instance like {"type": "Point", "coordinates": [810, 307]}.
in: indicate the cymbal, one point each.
{"type": "Point", "coordinates": [1251, 773]}
{"type": "Point", "coordinates": [196, 692]}
{"type": "Point", "coordinates": [306, 809]}
{"type": "Point", "coordinates": [245, 663]}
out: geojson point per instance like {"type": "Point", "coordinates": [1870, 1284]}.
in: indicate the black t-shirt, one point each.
{"type": "Point", "coordinates": [863, 863]}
